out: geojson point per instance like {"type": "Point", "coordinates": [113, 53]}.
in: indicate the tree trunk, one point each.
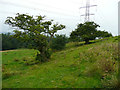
{"type": "Point", "coordinates": [86, 41]}
{"type": "Point", "coordinates": [50, 42]}
{"type": "Point", "coordinates": [41, 57]}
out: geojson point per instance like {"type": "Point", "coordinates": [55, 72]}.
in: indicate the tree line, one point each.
{"type": "Point", "coordinates": [39, 34]}
{"type": "Point", "coordinates": [8, 42]}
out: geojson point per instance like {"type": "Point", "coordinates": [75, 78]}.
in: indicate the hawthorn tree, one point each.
{"type": "Point", "coordinates": [85, 32]}
{"type": "Point", "coordinates": [51, 31]}
{"type": "Point", "coordinates": [33, 30]}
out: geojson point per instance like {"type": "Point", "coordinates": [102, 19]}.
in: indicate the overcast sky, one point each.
{"type": "Point", "coordinates": [65, 12]}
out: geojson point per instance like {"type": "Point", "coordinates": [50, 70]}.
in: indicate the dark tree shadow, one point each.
{"type": "Point", "coordinates": [82, 44]}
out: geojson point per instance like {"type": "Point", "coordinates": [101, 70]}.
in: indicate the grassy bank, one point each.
{"type": "Point", "coordinates": [77, 66]}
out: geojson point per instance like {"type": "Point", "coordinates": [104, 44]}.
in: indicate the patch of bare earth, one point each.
{"type": "Point", "coordinates": [8, 50]}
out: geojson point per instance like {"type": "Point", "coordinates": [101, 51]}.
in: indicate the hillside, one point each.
{"type": "Point", "coordinates": [83, 66]}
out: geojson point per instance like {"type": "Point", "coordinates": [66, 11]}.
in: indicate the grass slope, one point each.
{"type": "Point", "coordinates": [83, 66]}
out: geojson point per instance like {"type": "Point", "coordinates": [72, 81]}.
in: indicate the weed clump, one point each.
{"type": "Point", "coordinates": [29, 61]}
{"type": "Point", "coordinates": [8, 74]}
{"type": "Point", "coordinates": [16, 59]}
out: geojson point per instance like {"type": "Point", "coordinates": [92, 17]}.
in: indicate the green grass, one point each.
{"type": "Point", "coordinates": [82, 66]}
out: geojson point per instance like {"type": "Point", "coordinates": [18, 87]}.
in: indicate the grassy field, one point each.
{"type": "Point", "coordinates": [77, 66]}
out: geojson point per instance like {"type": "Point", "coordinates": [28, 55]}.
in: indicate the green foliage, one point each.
{"type": "Point", "coordinates": [32, 30]}
{"type": "Point", "coordinates": [59, 42]}
{"type": "Point", "coordinates": [103, 34]}
{"type": "Point", "coordinates": [88, 31]}
{"type": "Point", "coordinates": [74, 37]}
{"type": "Point", "coordinates": [55, 28]}
{"type": "Point", "coordinates": [85, 32]}
{"type": "Point", "coordinates": [8, 42]}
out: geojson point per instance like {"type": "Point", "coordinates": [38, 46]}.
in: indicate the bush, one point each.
{"type": "Point", "coordinates": [43, 57]}
{"type": "Point", "coordinates": [58, 42]}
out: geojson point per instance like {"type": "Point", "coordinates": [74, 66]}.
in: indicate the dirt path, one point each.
{"type": "Point", "coordinates": [8, 50]}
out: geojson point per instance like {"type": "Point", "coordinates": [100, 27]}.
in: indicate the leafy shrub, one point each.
{"type": "Point", "coordinates": [43, 57]}
{"type": "Point", "coordinates": [58, 42]}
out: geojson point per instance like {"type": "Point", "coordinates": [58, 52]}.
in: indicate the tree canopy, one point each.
{"type": "Point", "coordinates": [88, 31]}
{"type": "Point", "coordinates": [33, 29]}
{"type": "Point", "coordinates": [85, 32]}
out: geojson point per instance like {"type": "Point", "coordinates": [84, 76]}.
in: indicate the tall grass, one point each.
{"type": "Point", "coordinates": [104, 63]}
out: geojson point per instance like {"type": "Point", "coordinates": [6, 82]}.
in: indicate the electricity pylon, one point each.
{"type": "Point", "coordinates": [87, 11]}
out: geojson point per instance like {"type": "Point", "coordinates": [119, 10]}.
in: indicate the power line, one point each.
{"type": "Point", "coordinates": [17, 5]}
{"type": "Point", "coordinates": [22, 6]}
{"type": "Point", "coordinates": [2, 12]}
{"type": "Point", "coordinates": [36, 3]}
{"type": "Point", "coordinates": [67, 18]}
{"type": "Point", "coordinates": [72, 1]}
